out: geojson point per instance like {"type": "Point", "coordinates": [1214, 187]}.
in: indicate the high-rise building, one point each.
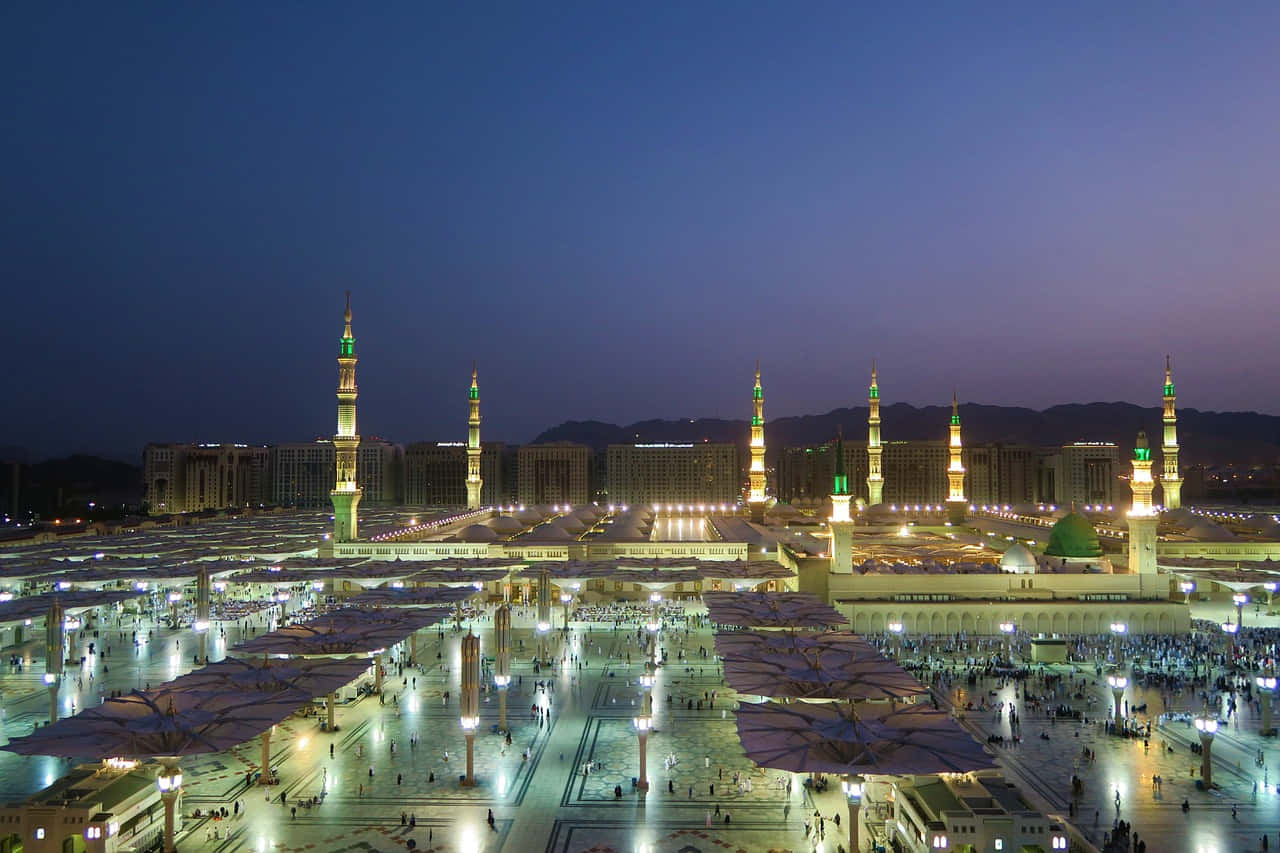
{"type": "Point", "coordinates": [1083, 473]}
{"type": "Point", "coordinates": [1170, 478]}
{"type": "Point", "coordinates": [346, 489]}
{"type": "Point", "coordinates": [875, 473]}
{"type": "Point", "coordinates": [674, 474]}
{"type": "Point", "coordinates": [196, 477]}
{"type": "Point", "coordinates": [303, 473]}
{"type": "Point", "coordinates": [553, 473]}
{"type": "Point", "coordinates": [436, 473]}
{"type": "Point", "coordinates": [1000, 473]}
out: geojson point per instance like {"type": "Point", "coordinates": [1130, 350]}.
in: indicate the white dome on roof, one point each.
{"type": "Point", "coordinates": [1208, 531]}
{"type": "Point", "coordinates": [551, 532]}
{"type": "Point", "coordinates": [477, 533]}
{"type": "Point", "coordinates": [1018, 559]}
{"type": "Point", "coordinates": [506, 524]}
{"type": "Point", "coordinates": [569, 523]}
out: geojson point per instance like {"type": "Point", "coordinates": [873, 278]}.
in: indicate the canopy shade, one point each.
{"type": "Point", "coordinates": [812, 666]}
{"type": "Point", "coordinates": [346, 631]}
{"type": "Point", "coordinates": [35, 606]}
{"type": "Point", "coordinates": [163, 722]}
{"type": "Point", "coordinates": [312, 676]}
{"type": "Point", "coordinates": [771, 610]}
{"type": "Point", "coordinates": [875, 738]}
{"type": "Point", "coordinates": [386, 596]}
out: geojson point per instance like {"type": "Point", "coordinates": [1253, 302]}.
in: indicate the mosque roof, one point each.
{"type": "Point", "coordinates": [1018, 558]}
{"type": "Point", "coordinates": [1073, 536]}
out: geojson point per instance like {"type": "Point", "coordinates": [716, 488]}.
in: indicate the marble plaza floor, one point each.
{"type": "Point", "coordinates": [536, 787]}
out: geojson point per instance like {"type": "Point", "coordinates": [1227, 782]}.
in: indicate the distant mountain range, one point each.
{"type": "Point", "coordinates": [1208, 438]}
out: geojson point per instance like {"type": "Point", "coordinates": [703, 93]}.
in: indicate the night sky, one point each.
{"type": "Point", "coordinates": [617, 208]}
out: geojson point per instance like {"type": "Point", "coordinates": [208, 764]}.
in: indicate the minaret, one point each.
{"type": "Point", "coordinates": [1143, 517]}
{"type": "Point", "coordinates": [840, 523]}
{"type": "Point", "coordinates": [346, 492]}
{"type": "Point", "coordinates": [956, 502]}
{"type": "Point", "coordinates": [1171, 480]}
{"type": "Point", "coordinates": [473, 445]}
{"type": "Point", "coordinates": [875, 479]}
{"type": "Point", "coordinates": [756, 475]}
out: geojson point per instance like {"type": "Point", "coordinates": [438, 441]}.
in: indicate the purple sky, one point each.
{"type": "Point", "coordinates": [617, 208]}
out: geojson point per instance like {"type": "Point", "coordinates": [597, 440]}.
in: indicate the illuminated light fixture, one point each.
{"type": "Point", "coordinates": [168, 781]}
{"type": "Point", "coordinates": [469, 724]}
{"type": "Point", "coordinates": [201, 625]}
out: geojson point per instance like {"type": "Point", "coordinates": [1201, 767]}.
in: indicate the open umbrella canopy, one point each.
{"type": "Point", "coordinates": [386, 596]}
{"type": "Point", "coordinates": [348, 630]}
{"type": "Point", "coordinates": [812, 666]}
{"type": "Point", "coordinates": [657, 577]}
{"type": "Point", "coordinates": [34, 606]}
{"type": "Point", "coordinates": [452, 563]}
{"type": "Point", "coordinates": [875, 738]}
{"type": "Point", "coordinates": [756, 570]}
{"type": "Point", "coordinates": [457, 577]}
{"type": "Point", "coordinates": [771, 610]}
{"type": "Point", "coordinates": [312, 676]}
{"type": "Point", "coordinates": [162, 722]}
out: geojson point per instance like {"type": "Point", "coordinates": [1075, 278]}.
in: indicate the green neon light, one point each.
{"type": "Point", "coordinates": [1142, 454]}
{"type": "Point", "coordinates": [474, 393]}
{"type": "Point", "coordinates": [756, 420]}
{"type": "Point", "coordinates": [955, 420]}
{"type": "Point", "coordinates": [758, 393]}
{"type": "Point", "coordinates": [841, 485]}
{"type": "Point", "coordinates": [348, 346]}
{"type": "Point", "coordinates": [1168, 390]}
{"type": "Point", "coordinates": [873, 392]}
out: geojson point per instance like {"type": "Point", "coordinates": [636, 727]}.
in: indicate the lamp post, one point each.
{"type": "Point", "coordinates": [54, 655]}
{"type": "Point", "coordinates": [1266, 685]}
{"type": "Point", "coordinates": [1118, 630]}
{"type": "Point", "coordinates": [1187, 588]}
{"type": "Point", "coordinates": [202, 611]}
{"type": "Point", "coordinates": [1007, 628]}
{"type": "Point", "coordinates": [1118, 683]}
{"type": "Point", "coordinates": [502, 660]}
{"type": "Point", "coordinates": [1207, 728]}
{"type": "Point", "coordinates": [544, 613]}
{"type": "Point", "coordinates": [470, 700]}
{"type": "Point", "coordinates": [852, 787]}
{"type": "Point", "coordinates": [643, 722]}
{"type": "Point", "coordinates": [169, 783]}
{"type": "Point", "coordinates": [1239, 600]}
{"type": "Point", "coordinates": [174, 598]}
{"type": "Point", "coordinates": [895, 628]}
{"type": "Point", "coordinates": [1230, 630]}
{"type": "Point", "coordinates": [1270, 587]}
{"type": "Point", "coordinates": [565, 598]}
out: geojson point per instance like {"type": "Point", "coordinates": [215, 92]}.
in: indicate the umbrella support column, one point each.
{"type": "Point", "coordinates": [170, 784]}
{"type": "Point", "coordinates": [53, 702]}
{"type": "Point", "coordinates": [377, 674]}
{"type": "Point", "coordinates": [470, 780]}
{"type": "Point", "coordinates": [328, 708]}
{"type": "Point", "coordinates": [264, 778]}
{"type": "Point", "coordinates": [643, 784]}
{"type": "Point", "coordinates": [854, 808]}
{"type": "Point", "coordinates": [502, 709]}
{"type": "Point", "coordinates": [413, 647]}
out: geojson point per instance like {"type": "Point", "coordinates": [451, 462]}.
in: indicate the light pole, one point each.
{"type": "Point", "coordinates": [1007, 628]}
{"type": "Point", "coordinates": [643, 722]}
{"type": "Point", "coordinates": [852, 787]}
{"type": "Point", "coordinates": [565, 598]}
{"type": "Point", "coordinates": [1239, 600]}
{"type": "Point", "coordinates": [1118, 683]}
{"type": "Point", "coordinates": [1187, 588]}
{"type": "Point", "coordinates": [470, 700]}
{"type": "Point", "coordinates": [169, 783]}
{"type": "Point", "coordinates": [1266, 692]}
{"type": "Point", "coordinates": [542, 629]}
{"type": "Point", "coordinates": [1230, 630]}
{"type": "Point", "coordinates": [202, 611]}
{"type": "Point", "coordinates": [895, 628]}
{"type": "Point", "coordinates": [653, 641]}
{"type": "Point", "coordinates": [174, 598]}
{"type": "Point", "coordinates": [1207, 728]}
{"type": "Point", "coordinates": [53, 655]}
{"type": "Point", "coordinates": [1270, 587]}
{"type": "Point", "coordinates": [544, 613]}
{"type": "Point", "coordinates": [1118, 630]}
{"type": "Point", "coordinates": [502, 660]}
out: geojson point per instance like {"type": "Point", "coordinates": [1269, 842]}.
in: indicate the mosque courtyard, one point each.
{"type": "Point", "coordinates": [397, 758]}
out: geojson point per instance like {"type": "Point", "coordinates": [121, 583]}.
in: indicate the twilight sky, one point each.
{"type": "Point", "coordinates": [616, 208]}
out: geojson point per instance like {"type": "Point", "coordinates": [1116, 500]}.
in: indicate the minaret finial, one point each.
{"type": "Point", "coordinates": [955, 403]}
{"type": "Point", "coordinates": [873, 371]}
{"type": "Point", "coordinates": [1168, 369]}
{"type": "Point", "coordinates": [757, 371]}
{"type": "Point", "coordinates": [347, 314]}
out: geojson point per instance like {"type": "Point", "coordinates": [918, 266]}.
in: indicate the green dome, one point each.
{"type": "Point", "coordinates": [1073, 536]}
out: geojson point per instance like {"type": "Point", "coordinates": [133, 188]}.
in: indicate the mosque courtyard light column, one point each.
{"type": "Point", "coordinates": [470, 700]}
{"type": "Point", "coordinates": [169, 783]}
{"type": "Point", "coordinates": [1266, 685]}
{"type": "Point", "coordinates": [853, 788]}
{"type": "Point", "coordinates": [1207, 728]}
{"type": "Point", "coordinates": [502, 660]}
{"type": "Point", "coordinates": [54, 654]}
{"type": "Point", "coordinates": [642, 723]}
{"type": "Point", "coordinates": [1118, 683]}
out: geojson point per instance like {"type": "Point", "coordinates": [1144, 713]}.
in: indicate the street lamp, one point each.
{"type": "Point", "coordinates": [1118, 683]}
{"type": "Point", "coordinates": [169, 783]}
{"type": "Point", "coordinates": [502, 660]}
{"type": "Point", "coordinates": [653, 628]}
{"type": "Point", "coordinates": [643, 722]}
{"type": "Point", "coordinates": [1230, 630]}
{"type": "Point", "coordinates": [895, 628]}
{"type": "Point", "coordinates": [1266, 692]}
{"type": "Point", "coordinates": [1207, 728]}
{"type": "Point", "coordinates": [565, 598]}
{"type": "Point", "coordinates": [1239, 600]}
{"type": "Point", "coordinates": [1007, 628]}
{"type": "Point", "coordinates": [470, 700]}
{"type": "Point", "coordinates": [853, 787]}
{"type": "Point", "coordinates": [542, 628]}
{"type": "Point", "coordinates": [1118, 630]}
{"type": "Point", "coordinates": [1270, 587]}
{"type": "Point", "coordinates": [1187, 588]}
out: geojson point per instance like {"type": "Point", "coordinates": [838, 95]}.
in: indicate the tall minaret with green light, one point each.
{"type": "Point", "coordinates": [473, 445]}
{"type": "Point", "coordinates": [756, 474]}
{"type": "Point", "coordinates": [346, 491]}
{"type": "Point", "coordinates": [875, 479]}
{"type": "Point", "coordinates": [1170, 479]}
{"type": "Point", "coordinates": [956, 501]}
{"type": "Point", "coordinates": [1142, 517]}
{"type": "Point", "coordinates": [840, 524]}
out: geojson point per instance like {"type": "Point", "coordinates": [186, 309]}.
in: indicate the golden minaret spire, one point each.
{"type": "Point", "coordinates": [1142, 517]}
{"type": "Point", "coordinates": [346, 491]}
{"type": "Point", "coordinates": [875, 477]}
{"type": "Point", "coordinates": [1170, 478]}
{"type": "Point", "coordinates": [756, 473]}
{"type": "Point", "coordinates": [956, 501]}
{"type": "Point", "coordinates": [473, 444]}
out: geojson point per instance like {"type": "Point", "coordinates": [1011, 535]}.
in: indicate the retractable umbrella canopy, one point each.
{"type": "Point", "coordinates": [755, 570]}
{"type": "Point", "coordinates": [771, 610]}
{"type": "Point", "coordinates": [346, 631]}
{"type": "Point", "coordinates": [385, 596]}
{"type": "Point", "coordinates": [836, 666]}
{"type": "Point", "coordinates": [875, 738]}
{"type": "Point", "coordinates": [312, 676]}
{"type": "Point", "coordinates": [33, 606]}
{"type": "Point", "coordinates": [163, 722]}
